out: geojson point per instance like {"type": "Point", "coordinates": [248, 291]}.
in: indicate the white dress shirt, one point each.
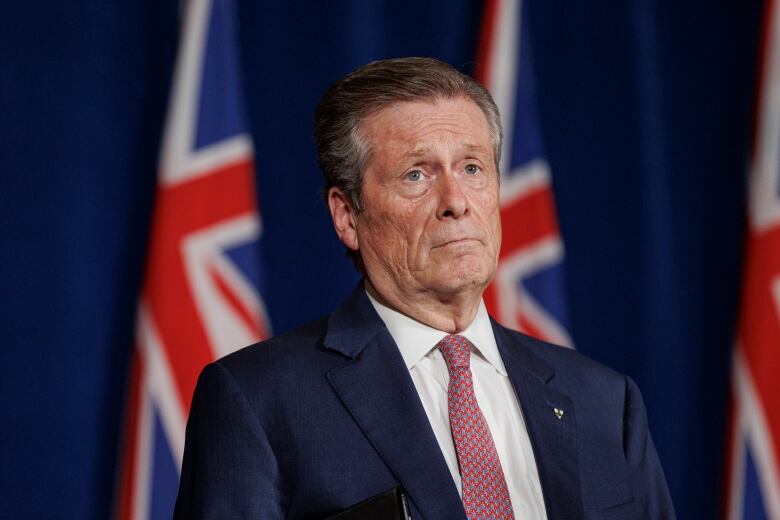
{"type": "Point", "coordinates": [494, 392]}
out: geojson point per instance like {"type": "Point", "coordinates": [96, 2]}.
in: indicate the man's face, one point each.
{"type": "Point", "coordinates": [430, 221]}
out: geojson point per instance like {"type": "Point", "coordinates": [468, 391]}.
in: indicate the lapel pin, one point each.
{"type": "Point", "coordinates": [558, 413]}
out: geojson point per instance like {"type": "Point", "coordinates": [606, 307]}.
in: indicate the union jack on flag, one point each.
{"type": "Point", "coordinates": [201, 295]}
{"type": "Point", "coordinates": [753, 485]}
{"type": "Point", "coordinates": [528, 291]}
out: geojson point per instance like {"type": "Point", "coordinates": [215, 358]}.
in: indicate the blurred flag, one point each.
{"type": "Point", "coordinates": [754, 437]}
{"type": "Point", "coordinates": [528, 293]}
{"type": "Point", "coordinates": [201, 295]}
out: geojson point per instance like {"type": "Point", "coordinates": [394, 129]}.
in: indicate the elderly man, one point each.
{"type": "Point", "coordinates": [410, 383]}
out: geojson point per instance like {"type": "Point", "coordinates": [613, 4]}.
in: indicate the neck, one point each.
{"type": "Point", "coordinates": [452, 314]}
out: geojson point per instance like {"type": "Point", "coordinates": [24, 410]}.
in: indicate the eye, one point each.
{"type": "Point", "coordinates": [472, 169]}
{"type": "Point", "coordinates": [414, 176]}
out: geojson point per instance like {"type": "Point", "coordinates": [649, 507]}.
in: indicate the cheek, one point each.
{"type": "Point", "coordinates": [389, 233]}
{"type": "Point", "coordinates": [418, 225]}
{"type": "Point", "coordinates": [489, 208]}
{"type": "Point", "coordinates": [490, 214]}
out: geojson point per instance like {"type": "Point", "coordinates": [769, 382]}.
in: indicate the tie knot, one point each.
{"type": "Point", "coordinates": [456, 350]}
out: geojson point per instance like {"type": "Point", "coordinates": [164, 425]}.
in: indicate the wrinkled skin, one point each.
{"type": "Point", "coordinates": [430, 231]}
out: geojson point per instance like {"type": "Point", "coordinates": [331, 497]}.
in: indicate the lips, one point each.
{"type": "Point", "coordinates": [457, 242]}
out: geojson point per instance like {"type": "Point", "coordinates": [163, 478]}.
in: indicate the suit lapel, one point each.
{"type": "Point", "coordinates": [552, 438]}
{"type": "Point", "coordinates": [376, 388]}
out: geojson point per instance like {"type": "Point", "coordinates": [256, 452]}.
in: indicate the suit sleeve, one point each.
{"type": "Point", "coordinates": [648, 481]}
{"type": "Point", "coordinates": [229, 469]}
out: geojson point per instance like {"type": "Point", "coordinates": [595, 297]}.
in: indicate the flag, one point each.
{"type": "Point", "coordinates": [528, 291]}
{"type": "Point", "coordinates": [201, 295]}
{"type": "Point", "coordinates": [753, 473]}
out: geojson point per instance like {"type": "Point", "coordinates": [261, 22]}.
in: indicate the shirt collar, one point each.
{"type": "Point", "coordinates": [415, 340]}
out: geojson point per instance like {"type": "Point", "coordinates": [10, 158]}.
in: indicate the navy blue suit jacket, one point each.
{"type": "Point", "coordinates": [311, 422]}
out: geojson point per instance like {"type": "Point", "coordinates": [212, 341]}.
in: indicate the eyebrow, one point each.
{"type": "Point", "coordinates": [421, 152]}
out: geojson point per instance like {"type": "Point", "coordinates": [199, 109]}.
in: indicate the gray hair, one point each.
{"type": "Point", "coordinates": [343, 150]}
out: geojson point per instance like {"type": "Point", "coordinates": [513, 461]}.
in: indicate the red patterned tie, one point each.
{"type": "Point", "coordinates": [485, 495]}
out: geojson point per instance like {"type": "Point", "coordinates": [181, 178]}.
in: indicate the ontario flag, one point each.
{"type": "Point", "coordinates": [753, 484]}
{"type": "Point", "coordinates": [201, 295]}
{"type": "Point", "coordinates": [528, 293]}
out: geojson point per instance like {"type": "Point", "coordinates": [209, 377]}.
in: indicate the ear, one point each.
{"type": "Point", "coordinates": [343, 216]}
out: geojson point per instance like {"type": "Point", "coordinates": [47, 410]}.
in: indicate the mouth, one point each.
{"type": "Point", "coordinates": [458, 242]}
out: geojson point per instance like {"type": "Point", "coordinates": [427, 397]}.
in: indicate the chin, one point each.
{"type": "Point", "coordinates": [459, 278]}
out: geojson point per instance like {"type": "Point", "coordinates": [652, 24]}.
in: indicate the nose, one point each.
{"type": "Point", "coordinates": [452, 200]}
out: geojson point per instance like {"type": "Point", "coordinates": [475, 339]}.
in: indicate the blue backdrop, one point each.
{"type": "Point", "coordinates": [645, 107]}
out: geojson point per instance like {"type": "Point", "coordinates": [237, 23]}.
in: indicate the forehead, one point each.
{"type": "Point", "coordinates": [413, 127]}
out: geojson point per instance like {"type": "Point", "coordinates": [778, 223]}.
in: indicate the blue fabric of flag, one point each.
{"type": "Point", "coordinates": [752, 501]}
{"type": "Point", "coordinates": [548, 287]}
{"type": "Point", "coordinates": [248, 260]}
{"type": "Point", "coordinates": [221, 102]}
{"type": "Point", "coordinates": [164, 482]}
{"type": "Point", "coordinates": [526, 136]}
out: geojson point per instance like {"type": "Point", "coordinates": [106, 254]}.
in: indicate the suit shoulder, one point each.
{"type": "Point", "coordinates": [291, 348]}
{"type": "Point", "coordinates": [566, 361]}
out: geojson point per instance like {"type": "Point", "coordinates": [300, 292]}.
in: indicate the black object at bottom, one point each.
{"type": "Point", "coordinates": [388, 505]}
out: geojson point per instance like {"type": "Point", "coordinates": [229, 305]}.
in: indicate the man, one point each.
{"type": "Point", "coordinates": [410, 383]}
